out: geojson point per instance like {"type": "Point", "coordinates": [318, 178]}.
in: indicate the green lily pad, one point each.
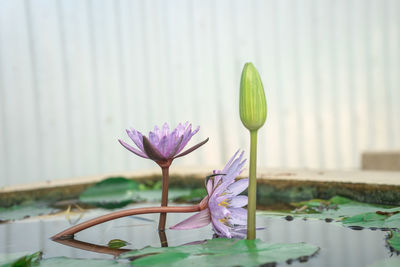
{"type": "Point", "coordinates": [20, 259]}
{"type": "Point", "coordinates": [194, 196]}
{"type": "Point", "coordinates": [70, 262]}
{"type": "Point", "coordinates": [394, 241]}
{"type": "Point", "coordinates": [231, 252]}
{"type": "Point", "coordinates": [380, 219]}
{"type": "Point", "coordinates": [115, 192]}
{"type": "Point", "coordinates": [155, 195]}
{"type": "Point", "coordinates": [25, 210]}
{"type": "Point", "coordinates": [391, 262]}
{"type": "Point", "coordinates": [117, 243]}
{"type": "Point", "coordinates": [336, 208]}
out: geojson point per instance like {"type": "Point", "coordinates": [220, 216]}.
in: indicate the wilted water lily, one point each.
{"type": "Point", "coordinates": [225, 208]}
{"type": "Point", "coordinates": [162, 145]}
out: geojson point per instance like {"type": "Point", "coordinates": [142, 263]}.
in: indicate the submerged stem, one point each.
{"type": "Point", "coordinates": [252, 191]}
{"type": "Point", "coordinates": [164, 197]}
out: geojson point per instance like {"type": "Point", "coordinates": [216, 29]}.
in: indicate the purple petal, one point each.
{"type": "Point", "coordinates": [157, 132]}
{"type": "Point", "coordinates": [133, 150]}
{"type": "Point", "coordinates": [186, 137]}
{"type": "Point", "coordinates": [230, 162]}
{"type": "Point", "coordinates": [238, 202]}
{"type": "Point", "coordinates": [198, 220]}
{"type": "Point", "coordinates": [174, 149]}
{"type": "Point", "coordinates": [162, 146]}
{"type": "Point", "coordinates": [136, 137]}
{"type": "Point", "coordinates": [220, 229]}
{"type": "Point", "coordinates": [238, 216]}
{"type": "Point", "coordinates": [209, 186]}
{"type": "Point", "coordinates": [192, 148]}
{"type": "Point", "coordinates": [238, 187]}
{"type": "Point", "coordinates": [154, 138]}
{"type": "Point", "coordinates": [165, 129]}
{"type": "Point", "coordinates": [217, 211]}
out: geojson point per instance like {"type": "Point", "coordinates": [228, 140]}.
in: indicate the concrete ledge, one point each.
{"type": "Point", "coordinates": [275, 185]}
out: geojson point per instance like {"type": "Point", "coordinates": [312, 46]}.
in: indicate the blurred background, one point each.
{"type": "Point", "coordinates": [75, 73]}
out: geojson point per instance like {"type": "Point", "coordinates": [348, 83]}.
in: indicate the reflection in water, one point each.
{"type": "Point", "coordinates": [339, 246]}
{"type": "Point", "coordinates": [163, 238]}
{"type": "Point", "coordinates": [91, 247]}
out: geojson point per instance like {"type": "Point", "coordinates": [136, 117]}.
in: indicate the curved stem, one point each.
{"type": "Point", "coordinates": [123, 213]}
{"type": "Point", "coordinates": [252, 191]}
{"type": "Point", "coordinates": [164, 197]}
{"type": "Point", "coordinates": [92, 247]}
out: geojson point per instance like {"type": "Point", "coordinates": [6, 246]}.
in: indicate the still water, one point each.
{"type": "Point", "coordinates": [339, 246]}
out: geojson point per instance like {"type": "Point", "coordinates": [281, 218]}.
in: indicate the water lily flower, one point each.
{"type": "Point", "coordinates": [225, 206]}
{"type": "Point", "coordinates": [162, 145]}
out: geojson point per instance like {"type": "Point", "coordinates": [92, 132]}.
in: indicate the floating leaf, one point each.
{"type": "Point", "coordinates": [117, 243]}
{"type": "Point", "coordinates": [155, 195]}
{"type": "Point", "coordinates": [335, 208]}
{"type": "Point", "coordinates": [115, 192]}
{"type": "Point", "coordinates": [350, 213]}
{"type": "Point", "coordinates": [375, 219]}
{"type": "Point", "coordinates": [20, 259]}
{"type": "Point", "coordinates": [25, 210]}
{"type": "Point", "coordinates": [70, 262]}
{"type": "Point", "coordinates": [391, 262]}
{"type": "Point", "coordinates": [231, 252]}
{"type": "Point", "coordinates": [394, 241]}
{"type": "Point", "coordinates": [195, 196]}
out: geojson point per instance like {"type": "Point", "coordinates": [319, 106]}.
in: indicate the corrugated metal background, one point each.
{"type": "Point", "coordinates": [75, 73]}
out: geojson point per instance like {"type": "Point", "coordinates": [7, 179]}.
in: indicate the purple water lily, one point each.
{"type": "Point", "coordinates": [162, 145]}
{"type": "Point", "coordinates": [225, 206]}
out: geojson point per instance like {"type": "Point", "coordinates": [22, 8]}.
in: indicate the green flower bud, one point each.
{"type": "Point", "coordinates": [252, 103]}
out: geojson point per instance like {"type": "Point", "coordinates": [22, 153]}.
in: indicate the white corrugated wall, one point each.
{"type": "Point", "coordinates": [75, 73]}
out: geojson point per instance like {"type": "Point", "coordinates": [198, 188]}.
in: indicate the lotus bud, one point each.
{"type": "Point", "coordinates": [252, 103]}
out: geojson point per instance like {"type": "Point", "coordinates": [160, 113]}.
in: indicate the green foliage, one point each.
{"type": "Point", "coordinates": [117, 192]}
{"type": "Point", "coordinates": [230, 252]}
{"type": "Point", "coordinates": [380, 219]}
{"type": "Point", "coordinates": [114, 192]}
{"type": "Point", "coordinates": [195, 196]}
{"type": "Point", "coordinates": [70, 262]}
{"type": "Point", "coordinates": [25, 210]}
{"type": "Point", "coordinates": [16, 260]}
{"type": "Point", "coordinates": [391, 262]}
{"type": "Point", "coordinates": [117, 243]}
{"type": "Point", "coordinates": [394, 240]}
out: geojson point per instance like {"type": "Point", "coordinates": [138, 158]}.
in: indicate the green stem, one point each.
{"type": "Point", "coordinates": [252, 191]}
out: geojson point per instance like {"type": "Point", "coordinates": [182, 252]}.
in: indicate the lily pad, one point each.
{"type": "Point", "coordinates": [20, 259]}
{"type": "Point", "coordinates": [379, 219]}
{"type": "Point", "coordinates": [394, 241]}
{"type": "Point", "coordinates": [155, 195]}
{"type": "Point", "coordinates": [194, 196]}
{"type": "Point", "coordinates": [25, 210]}
{"type": "Point", "coordinates": [392, 262]}
{"type": "Point", "coordinates": [231, 252]}
{"type": "Point", "coordinates": [114, 192]}
{"type": "Point", "coordinates": [117, 243]}
{"type": "Point", "coordinates": [71, 262]}
{"type": "Point", "coordinates": [336, 208]}
{"type": "Point", "coordinates": [117, 192]}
